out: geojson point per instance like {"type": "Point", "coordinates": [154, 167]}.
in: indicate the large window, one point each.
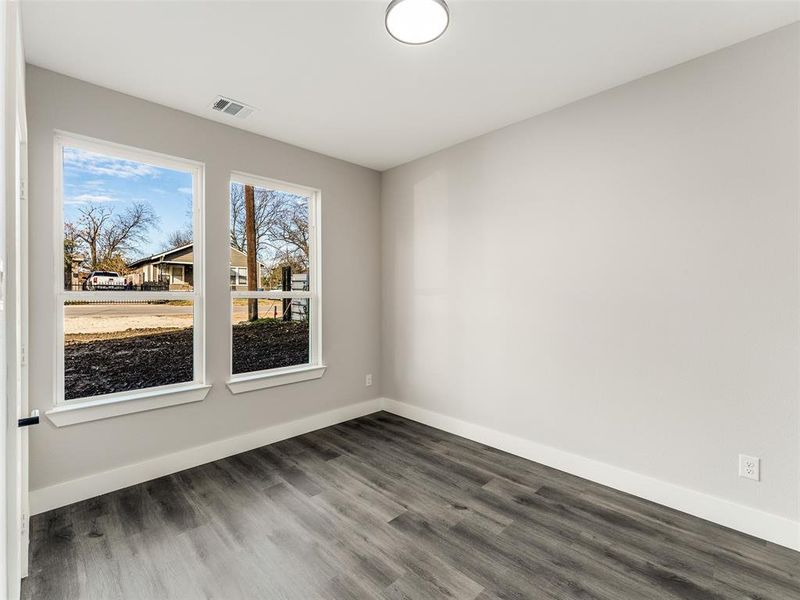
{"type": "Point", "coordinates": [130, 271]}
{"type": "Point", "coordinates": [274, 278]}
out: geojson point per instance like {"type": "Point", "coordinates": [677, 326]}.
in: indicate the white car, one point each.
{"type": "Point", "coordinates": [104, 280]}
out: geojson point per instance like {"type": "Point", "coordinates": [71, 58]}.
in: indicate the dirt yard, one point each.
{"type": "Point", "coordinates": [104, 366]}
{"type": "Point", "coordinates": [104, 362]}
{"type": "Point", "coordinates": [269, 344]}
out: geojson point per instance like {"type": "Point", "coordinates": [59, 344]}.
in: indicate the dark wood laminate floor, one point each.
{"type": "Point", "coordinates": [382, 507]}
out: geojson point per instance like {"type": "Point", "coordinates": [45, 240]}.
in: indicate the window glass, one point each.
{"type": "Point", "coordinates": [278, 337]}
{"type": "Point", "coordinates": [271, 276]}
{"type": "Point", "coordinates": [127, 224]}
{"type": "Point", "coordinates": [279, 231]}
{"type": "Point", "coordinates": [128, 301]}
{"type": "Point", "coordinates": [122, 346]}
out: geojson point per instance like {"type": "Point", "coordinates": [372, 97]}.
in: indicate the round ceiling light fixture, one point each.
{"type": "Point", "coordinates": [417, 21]}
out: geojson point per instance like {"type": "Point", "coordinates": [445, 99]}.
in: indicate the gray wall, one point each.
{"type": "Point", "coordinates": [350, 245]}
{"type": "Point", "coordinates": [617, 278]}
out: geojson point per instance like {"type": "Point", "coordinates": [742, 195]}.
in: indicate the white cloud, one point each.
{"type": "Point", "coordinates": [184, 190]}
{"type": "Point", "coordinates": [86, 198]}
{"type": "Point", "coordinates": [99, 164]}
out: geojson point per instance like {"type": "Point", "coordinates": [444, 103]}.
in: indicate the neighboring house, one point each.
{"type": "Point", "coordinates": [175, 267]}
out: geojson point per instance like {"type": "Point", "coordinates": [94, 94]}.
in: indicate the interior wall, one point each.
{"type": "Point", "coordinates": [617, 278]}
{"type": "Point", "coordinates": [350, 278]}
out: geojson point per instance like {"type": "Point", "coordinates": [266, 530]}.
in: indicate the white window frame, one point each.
{"type": "Point", "coordinates": [315, 368]}
{"type": "Point", "coordinates": [68, 412]}
{"type": "Point", "coordinates": [241, 279]}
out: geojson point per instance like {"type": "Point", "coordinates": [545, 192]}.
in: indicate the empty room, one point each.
{"type": "Point", "coordinates": [400, 299]}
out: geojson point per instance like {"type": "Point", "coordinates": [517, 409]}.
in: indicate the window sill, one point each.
{"type": "Point", "coordinates": [260, 381]}
{"type": "Point", "coordinates": [124, 404]}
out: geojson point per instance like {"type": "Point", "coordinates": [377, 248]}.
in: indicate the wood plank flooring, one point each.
{"type": "Point", "coordinates": [384, 508]}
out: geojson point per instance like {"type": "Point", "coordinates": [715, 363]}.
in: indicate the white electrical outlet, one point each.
{"type": "Point", "coordinates": [750, 467]}
{"type": "Point", "coordinates": [368, 380]}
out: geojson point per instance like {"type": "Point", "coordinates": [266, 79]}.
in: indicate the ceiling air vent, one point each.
{"type": "Point", "coordinates": [232, 107]}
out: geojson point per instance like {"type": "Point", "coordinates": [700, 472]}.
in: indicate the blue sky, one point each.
{"type": "Point", "coordinates": [115, 183]}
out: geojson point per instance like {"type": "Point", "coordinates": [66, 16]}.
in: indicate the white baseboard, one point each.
{"type": "Point", "coordinates": [767, 526]}
{"type": "Point", "coordinates": [74, 490]}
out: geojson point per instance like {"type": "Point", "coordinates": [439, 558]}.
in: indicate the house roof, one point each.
{"type": "Point", "coordinates": [160, 257]}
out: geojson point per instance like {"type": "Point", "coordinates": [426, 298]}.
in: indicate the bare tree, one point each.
{"type": "Point", "coordinates": [178, 238]}
{"type": "Point", "coordinates": [90, 224]}
{"type": "Point", "coordinates": [289, 233]}
{"type": "Point", "coordinates": [109, 236]}
{"type": "Point", "coordinates": [182, 236]}
{"type": "Point", "coordinates": [281, 226]}
{"type": "Point", "coordinates": [267, 209]}
{"type": "Point", "coordinates": [237, 217]}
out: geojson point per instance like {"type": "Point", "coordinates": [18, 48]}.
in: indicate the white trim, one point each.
{"type": "Point", "coordinates": [74, 490]}
{"type": "Point", "coordinates": [125, 403]}
{"type": "Point", "coordinates": [315, 276]}
{"type": "Point", "coordinates": [764, 525]}
{"type": "Point", "coordinates": [13, 169]}
{"type": "Point", "coordinates": [148, 157]}
{"type": "Point", "coordinates": [260, 380]}
{"type": "Point", "coordinates": [173, 268]}
{"type": "Point", "coordinates": [273, 184]}
{"type": "Point", "coordinates": [774, 528]}
{"type": "Point", "coordinates": [199, 272]}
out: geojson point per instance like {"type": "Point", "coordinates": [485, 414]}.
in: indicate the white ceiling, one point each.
{"type": "Point", "coordinates": [326, 76]}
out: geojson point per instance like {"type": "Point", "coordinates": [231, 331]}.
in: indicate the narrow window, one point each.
{"type": "Point", "coordinates": [274, 276]}
{"type": "Point", "coordinates": [130, 283]}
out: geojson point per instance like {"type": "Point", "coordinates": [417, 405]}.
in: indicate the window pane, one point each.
{"type": "Point", "coordinates": [278, 224]}
{"type": "Point", "coordinates": [127, 224]}
{"type": "Point", "coordinates": [269, 334]}
{"type": "Point", "coordinates": [120, 346]}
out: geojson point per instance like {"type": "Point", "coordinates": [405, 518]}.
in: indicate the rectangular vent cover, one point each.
{"type": "Point", "coordinates": [232, 107]}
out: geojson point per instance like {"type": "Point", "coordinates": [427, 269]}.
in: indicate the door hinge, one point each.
{"type": "Point", "coordinates": [23, 356]}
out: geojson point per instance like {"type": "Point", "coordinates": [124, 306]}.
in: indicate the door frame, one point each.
{"type": "Point", "coordinates": [20, 272]}
{"type": "Point", "coordinates": [14, 251]}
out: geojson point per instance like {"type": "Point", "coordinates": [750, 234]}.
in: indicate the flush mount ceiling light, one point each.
{"type": "Point", "coordinates": [416, 21]}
